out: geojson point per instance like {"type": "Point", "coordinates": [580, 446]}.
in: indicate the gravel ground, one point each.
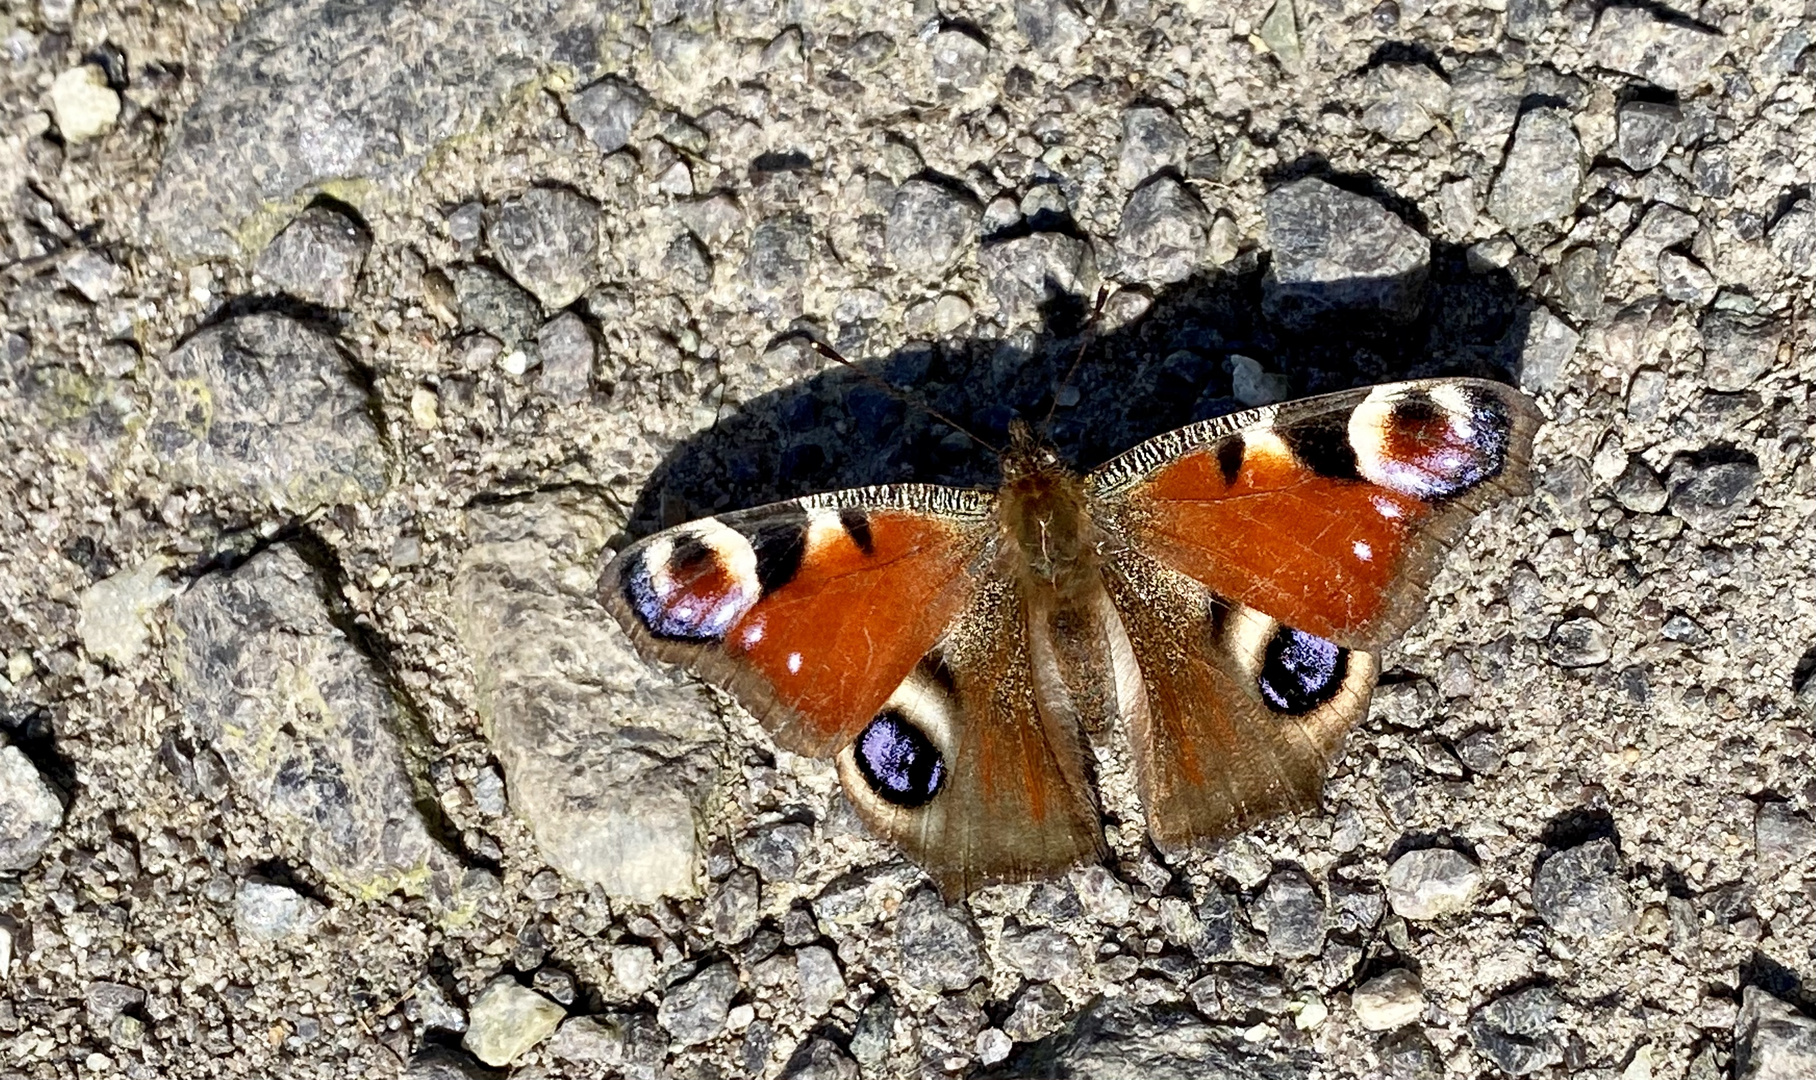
{"type": "Point", "coordinates": [344, 343]}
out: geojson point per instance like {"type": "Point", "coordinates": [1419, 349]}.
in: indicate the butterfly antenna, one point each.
{"type": "Point", "coordinates": [1084, 342]}
{"type": "Point", "coordinates": [831, 353]}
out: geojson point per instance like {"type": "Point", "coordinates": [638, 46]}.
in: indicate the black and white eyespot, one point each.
{"type": "Point", "coordinates": [1432, 443]}
{"type": "Point", "coordinates": [692, 583]}
{"type": "Point", "coordinates": [901, 759]}
{"type": "Point", "coordinates": [1294, 673]}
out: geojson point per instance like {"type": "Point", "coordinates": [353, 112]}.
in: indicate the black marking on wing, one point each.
{"type": "Point", "coordinates": [1322, 445]}
{"type": "Point", "coordinates": [857, 526]}
{"type": "Point", "coordinates": [899, 762]}
{"type": "Point", "coordinates": [779, 540]}
{"type": "Point", "coordinates": [1229, 458]}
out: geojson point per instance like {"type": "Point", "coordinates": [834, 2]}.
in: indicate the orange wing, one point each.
{"type": "Point", "coordinates": [811, 612]}
{"type": "Point", "coordinates": [1327, 514]}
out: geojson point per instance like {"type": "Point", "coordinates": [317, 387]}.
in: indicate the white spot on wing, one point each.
{"type": "Point", "coordinates": [794, 663]}
{"type": "Point", "coordinates": [1265, 442]}
{"type": "Point", "coordinates": [1363, 551]}
{"type": "Point", "coordinates": [823, 527]}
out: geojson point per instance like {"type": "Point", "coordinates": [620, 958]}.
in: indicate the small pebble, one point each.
{"type": "Point", "coordinates": [1430, 883]}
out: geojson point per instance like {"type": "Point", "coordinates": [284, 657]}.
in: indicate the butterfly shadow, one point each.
{"type": "Point", "coordinates": [1185, 358]}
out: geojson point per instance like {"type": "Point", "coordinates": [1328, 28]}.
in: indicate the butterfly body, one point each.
{"type": "Point", "coordinates": [1215, 597]}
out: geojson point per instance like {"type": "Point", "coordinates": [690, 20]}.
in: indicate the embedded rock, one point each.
{"type": "Point", "coordinates": [1162, 235]}
{"type": "Point", "coordinates": [310, 733]}
{"type": "Point", "coordinates": [1336, 251]}
{"type": "Point", "coordinates": [1117, 1039]}
{"type": "Point", "coordinates": [266, 409]}
{"type": "Point", "coordinates": [507, 1020]}
{"type": "Point", "coordinates": [695, 1010]}
{"type": "Point", "coordinates": [1027, 272]}
{"type": "Point", "coordinates": [1772, 1040]}
{"type": "Point", "coordinates": [1518, 1033]}
{"type": "Point", "coordinates": [29, 811]}
{"type": "Point", "coordinates": [604, 756]}
{"type": "Point", "coordinates": [317, 257]}
{"type": "Point", "coordinates": [939, 945]}
{"type": "Point", "coordinates": [1542, 173]}
{"type": "Point", "coordinates": [1675, 54]}
{"type": "Point", "coordinates": [116, 610]}
{"type": "Point", "coordinates": [1430, 883]}
{"type": "Point", "coordinates": [547, 240]}
{"type": "Point", "coordinates": [1579, 892]}
{"type": "Point", "coordinates": [320, 95]}
{"type": "Point", "coordinates": [929, 226]}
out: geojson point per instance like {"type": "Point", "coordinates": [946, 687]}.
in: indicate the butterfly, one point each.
{"type": "Point", "coordinates": [1218, 595]}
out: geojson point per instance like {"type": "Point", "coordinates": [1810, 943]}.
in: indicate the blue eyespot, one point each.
{"type": "Point", "coordinates": [1301, 671]}
{"type": "Point", "coordinates": [899, 761]}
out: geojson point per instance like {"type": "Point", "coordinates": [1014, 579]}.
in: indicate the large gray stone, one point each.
{"type": "Point", "coordinates": [317, 257]}
{"type": "Point", "coordinates": [1161, 238]}
{"type": "Point", "coordinates": [547, 240]}
{"type": "Point", "coordinates": [508, 1019]}
{"type": "Point", "coordinates": [308, 729]}
{"type": "Point", "coordinates": [1519, 1032]}
{"type": "Point", "coordinates": [1542, 173]}
{"type": "Point", "coordinates": [695, 1011]}
{"type": "Point", "coordinates": [607, 111]}
{"type": "Point", "coordinates": [939, 944]}
{"type": "Point", "coordinates": [266, 409]}
{"type": "Point", "coordinates": [604, 756]}
{"type": "Point", "coordinates": [1029, 271]}
{"type": "Point", "coordinates": [1336, 251]}
{"type": "Point", "coordinates": [930, 225]}
{"type": "Point", "coordinates": [1579, 892]}
{"type": "Point", "coordinates": [349, 98]}
{"type": "Point", "coordinates": [1671, 53]}
{"type": "Point", "coordinates": [29, 811]}
{"type": "Point", "coordinates": [1772, 1040]}
{"type": "Point", "coordinates": [1152, 140]}
{"type": "Point", "coordinates": [1405, 100]}
{"type": "Point", "coordinates": [1738, 349]}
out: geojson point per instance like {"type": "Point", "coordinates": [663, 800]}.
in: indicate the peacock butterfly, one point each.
{"type": "Point", "coordinates": [1219, 592]}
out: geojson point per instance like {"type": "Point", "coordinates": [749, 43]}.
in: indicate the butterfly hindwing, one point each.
{"type": "Point", "coordinates": [810, 612]}
{"type": "Point", "coordinates": [1328, 514]}
{"type": "Point", "coordinates": [971, 766]}
{"type": "Point", "coordinates": [1241, 715]}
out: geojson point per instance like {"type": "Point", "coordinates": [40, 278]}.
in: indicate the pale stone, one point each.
{"type": "Point", "coordinates": [83, 104]}
{"type": "Point", "coordinates": [507, 1020]}
{"type": "Point", "coordinates": [114, 621]}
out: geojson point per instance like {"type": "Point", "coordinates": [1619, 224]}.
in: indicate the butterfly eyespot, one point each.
{"type": "Point", "coordinates": [1433, 445]}
{"type": "Point", "coordinates": [1300, 671]}
{"type": "Point", "coordinates": [693, 586]}
{"type": "Point", "coordinates": [898, 761]}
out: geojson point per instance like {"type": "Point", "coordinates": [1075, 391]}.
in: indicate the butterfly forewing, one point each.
{"type": "Point", "coordinates": [810, 612]}
{"type": "Point", "coordinates": [1327, 514]}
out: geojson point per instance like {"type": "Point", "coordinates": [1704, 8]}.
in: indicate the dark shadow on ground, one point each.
{"type": "Point", "coordinates": [1166, 369]}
